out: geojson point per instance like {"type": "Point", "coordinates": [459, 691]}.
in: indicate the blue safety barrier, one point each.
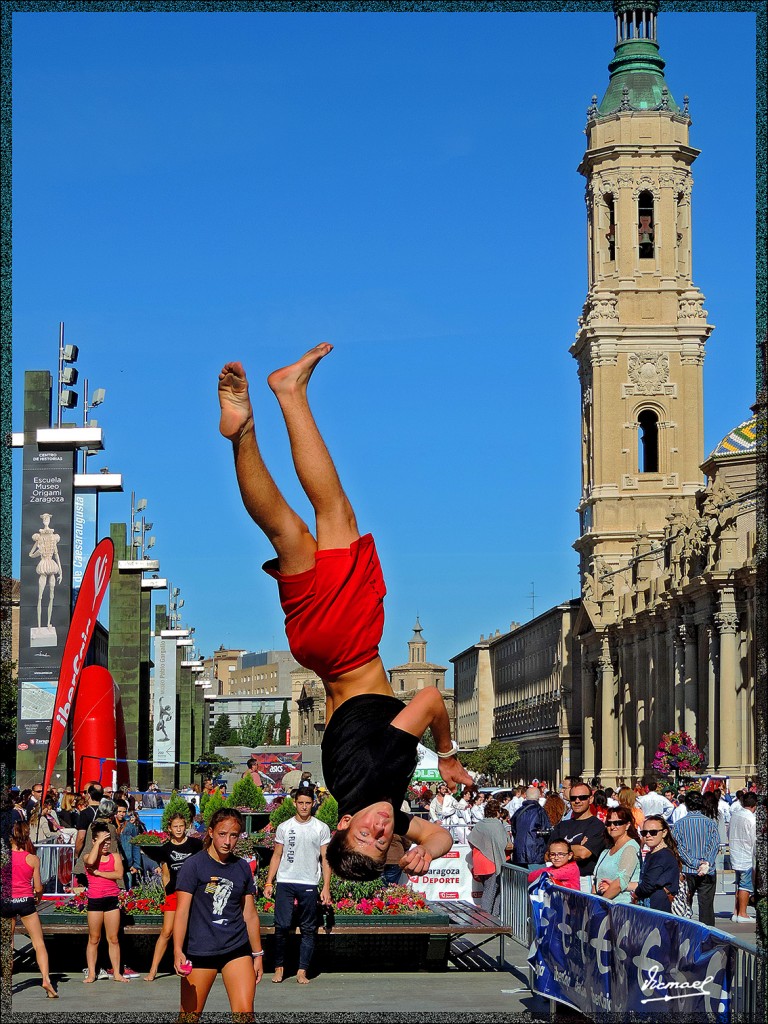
{"type": "Point", "coordinates": [619, 960]}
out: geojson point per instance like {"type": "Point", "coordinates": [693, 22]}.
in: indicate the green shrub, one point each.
{"type": "Point", "coordinates": [286, 810]}
{"type": "Point", "coordinates": [328, 811]}
{"type": "Point", "coordinates": [245, 793]}
{"type": "Point", "coordinates": [214, 803]}
{"type": "Point", "coordinates": [176, 805]}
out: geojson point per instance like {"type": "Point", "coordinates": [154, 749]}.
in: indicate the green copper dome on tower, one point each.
{"type": "Point", "coordinates": [637, 69]}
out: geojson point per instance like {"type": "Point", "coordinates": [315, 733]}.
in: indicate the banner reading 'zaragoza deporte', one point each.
{"type": "Point", "coordinates": [621, 960]}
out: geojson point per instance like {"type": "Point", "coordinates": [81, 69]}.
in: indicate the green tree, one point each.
{"type": "Point", "coordinates": [252, 729]}
{"type": "Point", "coordinates": [285, 724]}
{"type": "Point", "coordinates": [286, 810]}
{"type": "Point", "coordinates": [8, 709]}
{"type": "Point", "coordinates": [176, 805]}
{"type": "Point", "coordinates": [214, 803]}
{"type": "Point", "coordinates": [328, 811]}
{"type": "Point", "coordinates": [210, 764]}
{"type": "Point", "coordinates": [221, 733]}
{"type": "Point", "coordinates": [496, 761]}
{"type": "Point", "coordinates": [269, 732]}
{"type": "Point", "coordinates": [245, 793]}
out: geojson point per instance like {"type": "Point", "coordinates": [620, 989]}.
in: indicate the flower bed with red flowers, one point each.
{"type": "Point", "coordinates": [144, 898]}
{"type": "Point", "coordinates": [150, 838]}
{"type": "Point", "coordinates": [356, 899]}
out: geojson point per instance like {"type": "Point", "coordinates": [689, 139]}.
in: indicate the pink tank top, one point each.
{"type": "Point", "coordinates": [21, 876]}
{"type": "Point", "coordinates": [99, 887]}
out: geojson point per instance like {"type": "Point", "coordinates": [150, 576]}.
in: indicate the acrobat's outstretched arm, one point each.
{"type": "Point", "coordinates": [432, 841]}
{"type": "Point", "coordinates": [427, 711]}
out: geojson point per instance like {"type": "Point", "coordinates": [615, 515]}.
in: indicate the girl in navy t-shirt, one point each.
{"type": "Point", "coordinates": [216, 926]}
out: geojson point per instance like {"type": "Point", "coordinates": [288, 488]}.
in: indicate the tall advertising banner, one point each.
{"type": "Point", "coordinates": [45, 575]}
{"type": "Point", "coordinates": [85, 504]}
{"type": "Point", "coordinates": [164, 706]}
{"type": "Point", "coordinates": [92, 591]}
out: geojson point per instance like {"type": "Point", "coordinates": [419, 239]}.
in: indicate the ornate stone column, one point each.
{"type": "Point", "coordinates": [687, 633]}
{"type": "Point", "coordinates": [713, 733]}
{"type": "Point", "coordinates": [727, 622]}
{"type": "Point", "coordinates": [677, 717]}
{"type": "Point", "coordinates": [608, 723]}
{"type": "Point", "coordinates": [639, 688]}
{"type": "Point", "coordinates": [588, 688]}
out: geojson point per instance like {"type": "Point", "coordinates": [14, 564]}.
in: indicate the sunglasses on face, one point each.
{"type": "Point", "coordinates": [574, 798]}
{"type": "Point", "coordinates": [616, 824]}
{"type": "Point", "coordinates": [650, 831]}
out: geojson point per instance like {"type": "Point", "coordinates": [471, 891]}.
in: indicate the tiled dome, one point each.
{"type": "Point", "coordinates": [742, 440]}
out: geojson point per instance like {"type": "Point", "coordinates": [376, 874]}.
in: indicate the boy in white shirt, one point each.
{"type": "Point", "coordinates": [299, 863]}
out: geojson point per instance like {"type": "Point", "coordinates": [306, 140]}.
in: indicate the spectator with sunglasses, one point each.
{"type": "Point", "coordinates": [583, 831]}
{"type": "Point", "coordinates": [660, 872]}
{"type": "Point", "coordinates": [620, 864]}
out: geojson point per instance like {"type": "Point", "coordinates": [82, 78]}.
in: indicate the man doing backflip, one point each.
{"type": "Point", "coordinates": [332, 590]}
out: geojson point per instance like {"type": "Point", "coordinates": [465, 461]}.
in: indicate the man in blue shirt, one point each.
{"type": "Point", "coordinates": [698, 840]}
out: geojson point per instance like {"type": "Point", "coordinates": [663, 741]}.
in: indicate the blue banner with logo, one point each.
{"type": "Point", "coordinates": [620, 959]}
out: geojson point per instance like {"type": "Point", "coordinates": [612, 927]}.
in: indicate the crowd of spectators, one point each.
{"type": "Point", "coordinates": [599, 839]}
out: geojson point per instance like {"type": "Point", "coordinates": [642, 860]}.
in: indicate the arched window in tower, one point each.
{"type": "Point", "coordinates": [648, 444]}
{"type": "Point", "coordinates": [611, 232]}
{"type": "Point", "coordinates": [645, 228]}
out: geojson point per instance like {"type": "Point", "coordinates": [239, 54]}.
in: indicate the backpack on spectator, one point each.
{"type": "Point", "coordinates": [678, 902]}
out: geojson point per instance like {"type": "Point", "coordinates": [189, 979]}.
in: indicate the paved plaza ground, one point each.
{"type": "Point", "coordinates": [468, 991]}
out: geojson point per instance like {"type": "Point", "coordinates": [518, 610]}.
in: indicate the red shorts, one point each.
{"type": "Point", "coordinates": [170, 902]}
{"type": "Point", "coordinates": [334, 613]}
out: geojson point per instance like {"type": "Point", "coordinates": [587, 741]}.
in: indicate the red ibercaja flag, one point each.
{"type": "Point", "coordinates": [92, 590]}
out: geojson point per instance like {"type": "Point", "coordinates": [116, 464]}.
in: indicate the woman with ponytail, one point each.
{"type": "Point", "coordinates": [21, 893]}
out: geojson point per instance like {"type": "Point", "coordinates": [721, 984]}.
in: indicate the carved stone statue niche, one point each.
{"type": "Point", "coordinates": [49, 573]}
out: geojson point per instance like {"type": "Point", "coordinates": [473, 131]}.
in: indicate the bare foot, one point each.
{"type": "Point", "coordinates": [149, 977]}
{"type": "Point", "coordinates": [50, 990]}
{"type": "Point", "coordinates": [119, 977]}
{"type": "Point", "coordinates": [235, 402]}
{"type": "Point", "coordinates": [278, 975]}
{"type": "Point", "coordinates": [301, 977]}
{"type": "Point", "coordinates": [89, 980]}
{"type": "Point", "coordinates": [295, 377]}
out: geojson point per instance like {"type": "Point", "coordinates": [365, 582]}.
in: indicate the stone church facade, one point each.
{"type": "Point", "coordinates": [664, 637]}
{"type": "Point", "coordinates": [668, 563]}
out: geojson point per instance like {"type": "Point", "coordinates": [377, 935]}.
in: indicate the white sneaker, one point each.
{"type": "Point", "coordinates": [741, 920]}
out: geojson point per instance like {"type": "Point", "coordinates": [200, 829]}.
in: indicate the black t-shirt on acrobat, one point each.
{"type": "Point", "coordinates": [572, 831]}
{"type": "Point", "coordinates": [366, 759]}
{"type": "Point", "coordinates": [175, 856]}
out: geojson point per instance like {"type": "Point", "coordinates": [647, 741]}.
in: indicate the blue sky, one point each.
{"type": "Point", "coordinates": [194, 188]}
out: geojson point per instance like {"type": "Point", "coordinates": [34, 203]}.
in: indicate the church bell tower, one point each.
{"type": "Point", "coordinates": [643, 329]}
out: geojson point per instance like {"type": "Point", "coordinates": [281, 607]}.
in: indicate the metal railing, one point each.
{"type": "Point", "coordinates": [748, 981]}
{"type": "Point", "coordinates": [57, 861]}
{"type": "Point", "coordinates": [515, 903]}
